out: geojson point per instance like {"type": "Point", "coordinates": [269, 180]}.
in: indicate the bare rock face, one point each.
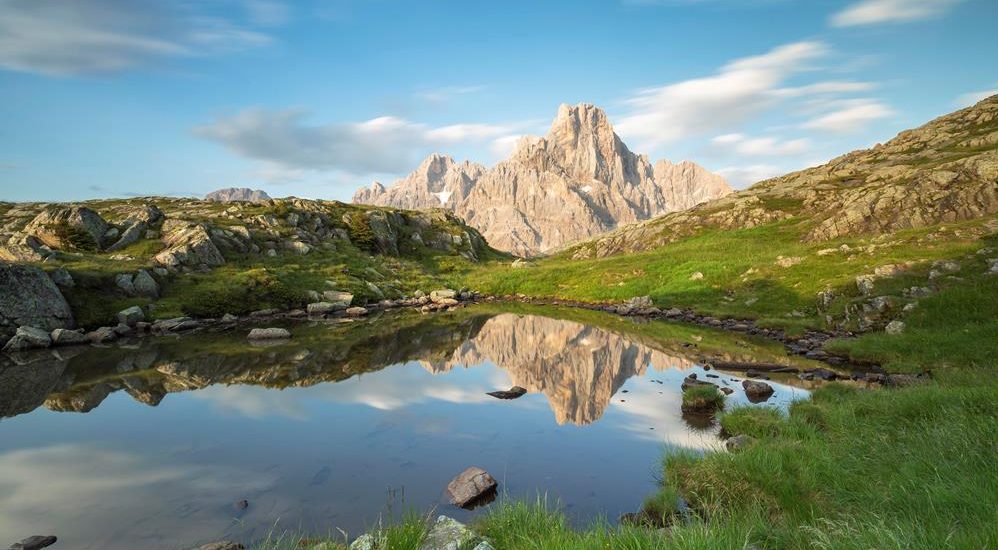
{"type": "Point", "coordinates": [470, 485]}
{"type": "Point", "coordinates": [188, 244]}
{"type": "Point", "coordinates": [577, 182]}
{"type": "Point", "coordinates": [237, 194]}
{"type": "Point", "coordinates": [28, 297]}
{"type": "Point", "coordinates": [943, 171]}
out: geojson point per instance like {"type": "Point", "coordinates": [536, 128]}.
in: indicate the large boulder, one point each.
{"type": "Point", "coordinates": [28, 297]}
{"type": "Point", "coordinates": [76, 227]}
{"type": "Point", "coordinates": [188, 244]}
{"type": "Point", "coordinates": [28, 338]}
{"type": "Point", "coordinates": [470, 486]}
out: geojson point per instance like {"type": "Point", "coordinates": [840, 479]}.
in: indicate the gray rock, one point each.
{"type": "Point", "coordinates": [62, 278]}
{"type": "Point", "coordinates": [364, 542]}
{"type": "Point", "coordinates": [757, 391]}
{"type": "Point", "coordinates": [484, 545]}
{"type": "Point", "coordinates": [28, 338]}
{"type": "Point", "coordinates": [229, 318]}
{"type": "Point", "coordinates": [470, 485]}
{"type": "Point", "coordinates": [271, 333]}
{"type": "Point", "coordinates": [738, 442]}
{"type": "Point", "coordinates": [145, 285]}
{"type": "Point", "coordinates": [36, 542]}
{"type": "Point", "coordinates": [223, 545]}
{"type": "Point", "coordinates": [102, 335]}
{"type": "Point", "coordinates": [124, 282]}
{"type": "Point", "coordinates": [131, 316]}
{"type": "Point", "coordinates": [443, 294]}
{"type": "Point", "coordinates": [28, 297]}
{"type": "Point", "coordinates": [447, 534]}
{"type": "Point", "coordinates": [894, 327]}
{"type": "Point", "coordinates": [864, 283]}
{"type": "Point", "coordinates": [322, 308]}
{"type": "Point", "coordinates": [66, 337]}
{"type": "Point", "coordinates": [356, 311]}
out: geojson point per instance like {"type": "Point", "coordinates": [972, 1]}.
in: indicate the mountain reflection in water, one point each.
{"type": "Point", "coordinates": [313, 430]}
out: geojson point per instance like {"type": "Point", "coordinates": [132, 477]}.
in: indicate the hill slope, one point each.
{"type": "Point", "coordinates": [578, 181]}
{"type": "Point", "coordinates": [943, 171]}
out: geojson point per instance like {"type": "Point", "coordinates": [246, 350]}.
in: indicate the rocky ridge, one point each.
{"type": "Point", "coordinates": [237, 194]}
{"type": "Point", "coordinates": [578, 181]}
{"type": "Point", "coordinates": [943, 171]}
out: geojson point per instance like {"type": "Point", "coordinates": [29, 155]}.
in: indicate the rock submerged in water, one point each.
{"type": "Point", "coordinates": [271, 333]}
{"type": "Point", "coordinates": [471, 486]}
{"type": "Point", "coordinates": [512, 393]}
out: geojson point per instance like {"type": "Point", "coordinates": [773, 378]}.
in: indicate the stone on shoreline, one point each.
{"type": "Point", "coordinates": [28, 338]}
{"type": "Point", "coordinates": [470, 485]}
{"type": "Point", "coordinates": [443, 294]}
{"type": "Point", "coordinates": [102, 335]}
{"type": "Point", "coordinates": [447, 534]}
{"type": "Point", "coordinates": [131, 316]}
{"type": "Point", "coordinates": [271, 333]}
{"type": "Point", "coordinates": [66, 337]}
{"type": "Point", "coordinates": [356, 311]}
{"type": "Point", "coordinates": [322, 308]}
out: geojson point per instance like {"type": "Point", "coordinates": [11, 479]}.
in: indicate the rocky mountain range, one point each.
{"type": "Point", "coordinates": [578, 181]}
{"type": "Point", "coordinates": [237, 194]}
{"type": "Point", "coordinates": [943, 171]}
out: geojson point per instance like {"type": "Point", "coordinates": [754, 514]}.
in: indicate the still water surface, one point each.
{"type": "Point", "coordinates": [149, 444]}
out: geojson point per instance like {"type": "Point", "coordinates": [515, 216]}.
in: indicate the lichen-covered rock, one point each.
{"type": "Point", "coordinates": [271, 333]}
{"type": "Point", "coordinates": [447, 534]}
{"type": "Point", "coordinates": [145, 285]}
{"type": "Point", "coordinates": [66, 337]}
{"type": "Point", "coordinates": [28, 297]}
{"type": "Point", "coordinates": [72, 228]}
{"type": "Point", "coordinates": [131, 316]}
{"type": "Point", "coordinates": [28, 338]}
{"type": "Point", "coordinates": [188, 244]}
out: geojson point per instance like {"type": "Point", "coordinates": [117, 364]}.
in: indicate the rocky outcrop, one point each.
{"type": "Point", "coordinates": [28, 297]}
{"type": "Point", "coordinates": [188, 245]}
{"type": "Point", "coordinates": [237, 194]}
{"type": "Point", "coordinates": [578, 181]}
{"type": "Point", "coordinates": [943, 171]}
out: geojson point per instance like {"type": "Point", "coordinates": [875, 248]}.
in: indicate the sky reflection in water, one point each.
{"type": "Point", "coordinates": [407, 413]}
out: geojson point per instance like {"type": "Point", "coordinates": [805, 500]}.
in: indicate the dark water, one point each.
{"type": "Point", "coordinates": [149, 444]}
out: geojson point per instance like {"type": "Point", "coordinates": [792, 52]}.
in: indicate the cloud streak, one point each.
{"type": "Point", "coordinates": [873, 12]}
{"type": "Point", "coordinates": [387, 144]}
{"type": "Point", "coordinates": [70, 37]}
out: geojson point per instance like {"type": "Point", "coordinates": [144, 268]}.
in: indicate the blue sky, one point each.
{"type": "Point", "coordinates": [316, 98]}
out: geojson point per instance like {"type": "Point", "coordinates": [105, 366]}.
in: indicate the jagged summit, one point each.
{"type": "Point", "coordinates": [577, 181]}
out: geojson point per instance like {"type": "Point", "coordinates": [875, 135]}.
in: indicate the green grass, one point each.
{"type": "Point", "coordinates": [702, 399]}
{"type": "Point", "coordinates": [740, 275]}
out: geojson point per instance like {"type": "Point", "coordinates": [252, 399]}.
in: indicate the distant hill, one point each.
{"type": "Point", "coordinates": [237, 194]}
{"type": "Point", "coordinates": [943, 171]}
{"type": "Point", "coordinates": [577, 182]}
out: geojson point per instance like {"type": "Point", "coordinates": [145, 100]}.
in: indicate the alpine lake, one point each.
{"type": "Point", "coordinates": [155, 441]}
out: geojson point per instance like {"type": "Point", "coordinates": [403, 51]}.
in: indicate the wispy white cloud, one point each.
{"type": "Point", "coordinates": [849, 115]}
{"type": "Point", "coordinates": [872, 12]}
{"type": "Point", "coordinates": [762, 146]}
{"type": "Point", "coordinates": [740, 90]}
{"type": "Point", "coordinates": [971, 98]}
{"type": "Point", "coordinates": [66, 37]}
{"type": "Point", "coordinates": [287, 142]}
